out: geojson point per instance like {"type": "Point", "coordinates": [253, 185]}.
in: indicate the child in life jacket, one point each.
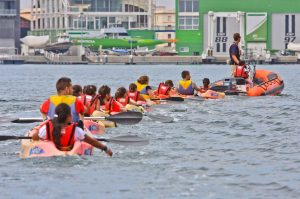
{"type": "Point", "coordinates": [107, 103]}
{"type": "Point", "coordinates": [186, 86]}
{"type": "Point", "coordinates": [134, 94]}
{"type": "Point", "coordinates": [89, 99]}
{"type": "Point", "coordinates": [64, 133]}
{"type": "Point", "coordinates": [205, 87]}
{"type": "Point", "coordinates": [122, 97]}
{"type": "Point", "coordinates": [143, 87]}
{"type": "Point", "coordinates": [165, 90]}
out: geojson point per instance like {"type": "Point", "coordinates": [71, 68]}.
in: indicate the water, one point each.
{"type": "Point", "coordinates": [238, 147]}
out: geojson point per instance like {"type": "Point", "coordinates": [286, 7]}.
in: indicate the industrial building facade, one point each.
{"type": "Point", "coordinates": [203, 25]}
{"type": "Point", "coordinates": [10, 27]}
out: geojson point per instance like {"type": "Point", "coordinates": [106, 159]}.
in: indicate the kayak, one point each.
{"type": "Point", "coordinates": [264, 83]}
{"type": "Point", "coordinates": [210, 94]}
{"type": "Point", "coordinates": [30, 148]}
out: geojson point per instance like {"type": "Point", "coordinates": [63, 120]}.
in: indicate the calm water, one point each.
{"type": "Point", "coordinates": [238, 147]}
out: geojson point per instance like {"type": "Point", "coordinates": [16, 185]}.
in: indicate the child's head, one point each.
{"type": "Point", "coordinates": [77, 90]}
{"type": "Point", "coordinates": [206, 82]}
{"type": "Point", "coordinates": [64, 85]}
{"type": "Point", "coordinates": [169, 83]}
{"type": "Point", "coordinates": [143, 79]}
{"type": "Point", "coordinates": [120, 93]}
{"type": "Point", "coordinates": [104, 92]}
{"type": "Point", "coordinates": [132, 87]}
{"type": "Point", "coordinates": [90, 90]}
{"type": "Point", "coordinates": [186, 75]}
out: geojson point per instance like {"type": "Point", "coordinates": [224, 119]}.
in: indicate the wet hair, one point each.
{"type": "Point", "coordinates": [90, 90]}
{"type": "Point", "coordinates": [62, 111]}
{"type": "Point", "coordinates": [169, 83]}
{"type": "Point", "coordinates": [143, 79]}
{"type": "Point", "coordinates": [132, 87]}
{"type": "Point", "coordinates": [120, 93]}
{"type": "Point", "coordinates": [236, 36]}
{"type": "Point", "coordinates": [206, 80]}
{"type": "Point", "coordinates": [185, 73]}
{"type": "Point", "coordinates": [103, 91]}
{"type": "Point", "coordinates": [77, 90]}
{"type": "Point", "coordinates": [63, 83]}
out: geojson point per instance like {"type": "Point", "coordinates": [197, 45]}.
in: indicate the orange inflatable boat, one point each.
{"type": "Point", "coordinates": [264, 82]}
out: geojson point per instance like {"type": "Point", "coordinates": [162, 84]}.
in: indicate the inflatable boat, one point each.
{"type": "Point", "coordinates": [264, 83]}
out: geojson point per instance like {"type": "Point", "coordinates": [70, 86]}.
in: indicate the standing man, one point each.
{"type": "Point", "coordinates": [235, 53]}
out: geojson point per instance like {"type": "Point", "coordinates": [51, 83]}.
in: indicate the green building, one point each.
{"type": "Point", "coordinates": [203, 25]}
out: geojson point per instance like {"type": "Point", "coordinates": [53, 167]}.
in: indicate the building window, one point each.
{"type": "Point", "coordinates": [188, 5]}
{"type": "Point", "coordinates": [188, 23]}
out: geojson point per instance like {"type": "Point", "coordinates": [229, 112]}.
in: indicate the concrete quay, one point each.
{"type": "Point", "coordinates": [142, 60]}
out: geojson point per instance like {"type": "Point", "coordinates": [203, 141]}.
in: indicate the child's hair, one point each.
{"type": "Point", "coordinates": [77, 90]}
{"type": "Point", "coordinates": [62, 111]}
{"type": "Point", "coordinates": [184, 73]}
{"type": "Point", "coordinates": [120, 93]}
{"type": "Point", "coordinates": [143, 79]}
{"type": "Point", "coordinates": [63, 83]}
{"type": "Point", "coordinates": [169, 83]}
{"type": "Point", "coordinates": [206, 81]}
{"type": "Point", "coordinates": [103, 91]}
{"type": "Point", "coordinates": [132, 87]}
{"type": "Point", "coordinates": [90, 90]}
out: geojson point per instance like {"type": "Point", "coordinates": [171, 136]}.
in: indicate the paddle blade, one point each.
{"type": "Point", "coordinates": [161, 118]}
{"type": "Point", "coordinates": [129, 140]}
{"type": "Point", "coordinates": [11, 137]}
{"type": "Point", "coordinates": [126, 118]}
{"type": "Point", "coordinates": [175, 99]}
{"type": "Point", "coordinates": [27, 120]}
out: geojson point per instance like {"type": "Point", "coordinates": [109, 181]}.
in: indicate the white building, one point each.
{"type": "Point", "coordinates": [91, 14]}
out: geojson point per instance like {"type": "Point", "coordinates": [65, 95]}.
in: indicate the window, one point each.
{"type": "Point", "coordinates": [188, 5]}
{"type": "Point", "coordinates": [188, 23]}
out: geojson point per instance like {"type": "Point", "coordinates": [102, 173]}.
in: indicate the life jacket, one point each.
{"type": "Point", "coordinates": [142, 88]}
{"type": "Point", "coordinates": [134, 95]}
{"type": "Point", "coordinates": [90, 104]}
{"type": "Point", "coordinates": [67, 139]}
{"type": "Point", "coordinates": [163, 89]}
{"type": "Point", "coordinates": [111, 106]}
{"type": "Point", "coordinates": [55, 100]}
{"type": "Point", "coordinates": [241, 72]}
{"type": "Point", "coordinates": [124, 101]}
{"type": "Point", "coordinates": [186, 87]}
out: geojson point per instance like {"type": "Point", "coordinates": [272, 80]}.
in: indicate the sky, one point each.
{"type": "Point", "coordinates": [26, 3]}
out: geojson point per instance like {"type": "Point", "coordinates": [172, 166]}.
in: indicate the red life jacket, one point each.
{"type": "Point", "coordinates": [67, 139]}
{"type": "Point", "coordinates": [90, 104]}
{"type": "Point", "coordinates": [124, 101]}
{"type": "Point", "coordinates": [240, 72]}
{"type": "Point", "coordinates": [134, 95]}
{"type": "Point", "coordinates": [163, 89]}
{"type": "Point", "coordinates": [112, 106]}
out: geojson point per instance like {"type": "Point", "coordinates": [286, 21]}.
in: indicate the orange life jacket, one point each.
{"type": "Point", "coordinates": [90, 104]}
{"type": "Point", "coordinates": [124, 101]}
{"type": "Point", "coordinates": [112, 106]}
{"type": "Point", "coordinates": [67, 139]}
{"type": "Point", "coordinates": [203, 90]}
{"type": "Point", "coordinates": [240, 72]}
{"type": "Point", "coordinates": [134, 95]}
{"type": "Point", "coordinates": [163, 89]}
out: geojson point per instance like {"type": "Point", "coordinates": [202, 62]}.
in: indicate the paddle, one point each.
{"type": "Point", "coordinates": [174, 99]}
{"type": "Point", "coordinates": [126, 118]}
{"type": "Point", "coordinates": [126, 140]}
{"type": "Point", "coordinates": [161, 118]}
